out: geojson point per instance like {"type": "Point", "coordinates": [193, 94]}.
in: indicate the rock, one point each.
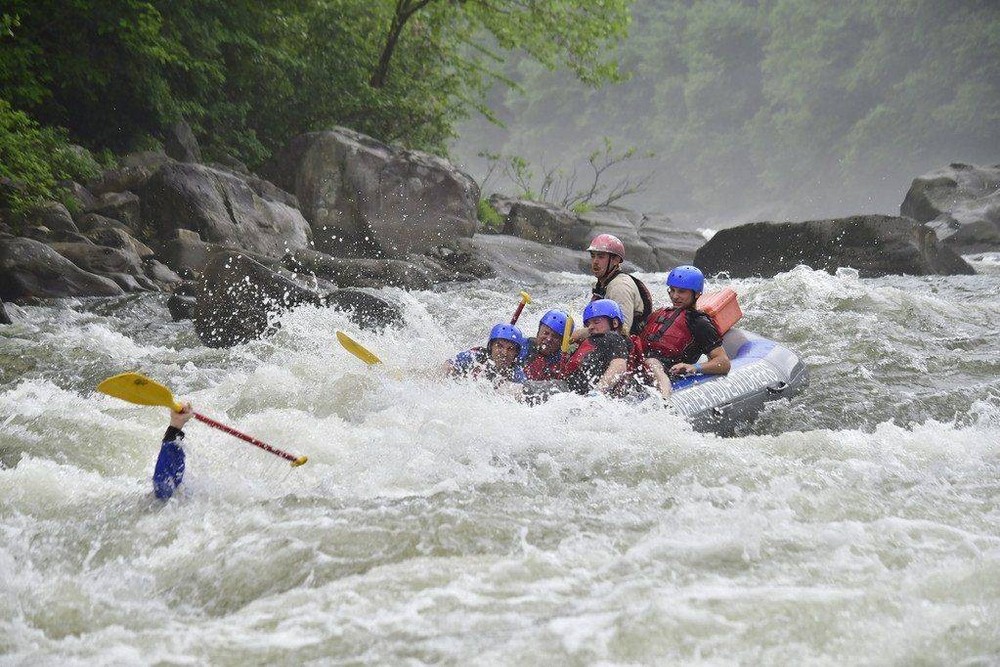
{"type": "Point", "coordinates": [222, 209]}
{"type": "Point", "coordinates": [119, 238]}
{"type": "Point", "coordinates": [458, 261]}
{"type": "Point", "coordinates": [624, 224]}
{"type": "Point", "coordinates": [502, 204]}
{"type": "Point", "coordinates": [127, 282]}
{"type": "Point", "coordinates": [123, 206]}
{"type": "Point", "coordinates": [366, 310]}
{"type": "Point", "coordinates": [51, 215]}
{"type": "Point", "coordinates": [961, 203]}
{"type": "Point", "coordinates": [93, 221]}
{"type": "Point", "coordinates": [651, 242]}
{"type": "Point", "coordinates": [160, 272]}
{"type": "Point", "coordinates": [82, 195]}
{"type": "Point", "coordinates": [365, 199]}
{"type": "Point", "coordinates": [671, 246]}
{"type": "Point", "coordinates": [182, 307]}
{"type": "Point", "coordinates": [32, 269]}
{"type": "Point", "coordinates": [180, 143]}
{"type": "Point", "coordinates": [4, 317]}
{"type": "Point", "coordinates": [547, 223]}
{"type": "Point", "coordinates": [875, 245]}
{"type": "Point", "coordinates": [100, 259]}
{"type": "Point", "coordinates": [520, 260]}
{"type": "Point", "coordinates": [240, 299]}
{"type": "Point", "coordinates": [128, 177]}
{"type": "Point", "coordinates": [348, 272]}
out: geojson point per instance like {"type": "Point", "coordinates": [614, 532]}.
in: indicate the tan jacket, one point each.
{"type": "Point", "coordinates": [623, 291]}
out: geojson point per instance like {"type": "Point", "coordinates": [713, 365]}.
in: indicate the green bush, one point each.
{"type": "Point", "coordinates": [34, 158]}
{"type": "Point", "coordinates": [490, 218]}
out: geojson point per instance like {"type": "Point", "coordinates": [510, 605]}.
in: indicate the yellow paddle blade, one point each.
{"type": "Point", "coordinates": [139, 389]}
{"type": "Point", "coordinates": [357, 349]}
{"type": "Point", "coordinates": [567, 332]}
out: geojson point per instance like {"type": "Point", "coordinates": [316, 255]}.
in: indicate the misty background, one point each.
{"type": "Point", "coordinates": [761, 110]}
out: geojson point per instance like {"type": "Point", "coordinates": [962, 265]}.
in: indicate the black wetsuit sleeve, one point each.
{"type": "Point", "coordinates": [706, 336]}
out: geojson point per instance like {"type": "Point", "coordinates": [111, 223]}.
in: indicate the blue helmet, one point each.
{"type": "Point", "coordinates": [603, 308]}
{"type": "Point", "coordinates": [509, 332]}
{"type": "Point", "coordinates": [687, 277]}
{"type": "Point", "coordinates": [556, 320]}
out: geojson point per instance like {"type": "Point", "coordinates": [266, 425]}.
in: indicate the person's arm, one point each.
{"type": "Point", "coordinates": [660, 377]}
{"type": "Point", "coordinates": [616, 371]}
{"type": "Point", "coordinates": [718, 364]}
{"type": "Point", "coordinates": [169, 470]}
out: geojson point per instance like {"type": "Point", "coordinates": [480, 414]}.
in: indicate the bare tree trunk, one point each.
{"type": "Point", "coordinates": [404, 10]}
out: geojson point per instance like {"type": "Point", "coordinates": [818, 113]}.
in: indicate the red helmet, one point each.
{"type": "Point", "coordinates": [608, 243]}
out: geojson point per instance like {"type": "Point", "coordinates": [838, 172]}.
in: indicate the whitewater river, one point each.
{"type": "Point", "coordinates": [439, 523]}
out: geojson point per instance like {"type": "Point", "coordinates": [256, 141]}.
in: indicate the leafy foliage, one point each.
{"type": "Point", "coordinates": [34, 158]}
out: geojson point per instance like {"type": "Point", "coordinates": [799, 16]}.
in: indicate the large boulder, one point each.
{"type": "Point", "coordinates": [359, 272]}
{"type": "Point", "coordinates": [29, 268]}
{"type": "Point", "coordinates": [652, 243]}
{"type": "Point", "coordinates": [875, 245]}
{"type": "Point", "coordinates": [222, 209]}
{"type": "Point", "coordinates": [961, 203]}
{"type": "Point", "coordinates": [547, 223]}
{"type": "Point", "coordinates": [4, 317]}
{"type": "Point", "coordinates": [522, 260]}
{"type": "Point", "coordinates": [51, 215]}
{"type": "Point", "coordinates": [671, 246]}
{"type": "Point", "coordinates": [240, 299]}
{"type": "Point", "coordinates": [364, 198]}
{"type": "Point", "coordinates": [181, 144]}
{"type": "Point", "coordinates": [122, 206]}
{"type": "Point", "coordinates": [100, 259]}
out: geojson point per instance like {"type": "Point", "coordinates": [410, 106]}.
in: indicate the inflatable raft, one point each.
{"type": "Point", "coordinates": [762, 371]}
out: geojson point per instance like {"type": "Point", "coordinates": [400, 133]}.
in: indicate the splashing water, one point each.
{"type": "Point", "coordinates": [437, 522]}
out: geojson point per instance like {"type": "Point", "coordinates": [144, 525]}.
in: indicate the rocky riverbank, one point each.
{"type": "Point", "coordinates": [338, 210]}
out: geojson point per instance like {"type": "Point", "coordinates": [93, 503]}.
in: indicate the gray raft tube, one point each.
{"type": "Point", "coordinates": [762, 371]}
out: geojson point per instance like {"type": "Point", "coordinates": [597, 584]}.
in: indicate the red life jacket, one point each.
{"type": "Point", "coordinates": [571, 365]}
{"type": "Point", "coordinates": [667, 334]}
{"type": "Point", "coordinates": [540, 368]}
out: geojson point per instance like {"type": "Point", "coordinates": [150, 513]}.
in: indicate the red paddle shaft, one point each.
{"type": "Point", "coordinates": [243, 436]}
{"type": "Point", "coordinates": [517, 313]}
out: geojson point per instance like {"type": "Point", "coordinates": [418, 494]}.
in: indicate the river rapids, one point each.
{"type": "Point", "coordinates": [440, 523]}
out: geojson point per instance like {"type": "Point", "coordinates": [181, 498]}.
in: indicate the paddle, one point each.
{"type": "Point", "coordinates": [141, 390]}
{"type": "Point", "coordinates": [357, 349]}
{"type": "Point", "coordinates": [567, 331]}
{"type": "Point", "coordinates": [517, 313]}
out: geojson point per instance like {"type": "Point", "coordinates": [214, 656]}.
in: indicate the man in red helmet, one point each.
{"type": "Point", "coordinates": [607, 253]}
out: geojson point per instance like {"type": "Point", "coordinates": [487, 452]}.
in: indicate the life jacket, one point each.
{"type": "Point", "coordinates": [540, 367]}
{"type": "Point", "coordinates": [572, 364]}
{"type": "Point", "coordinates": [475, 363]}
{"type": "Point", "coordinates": [633, 362]}
{"type": "Point", "coordinates": [668, 335]}
{"type": "Point", "coordinates": [638, 321]}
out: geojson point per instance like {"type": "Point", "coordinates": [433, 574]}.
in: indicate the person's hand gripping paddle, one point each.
{"type": "Point", "coordinates": [141, 390]}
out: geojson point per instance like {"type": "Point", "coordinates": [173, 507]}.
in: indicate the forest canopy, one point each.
{"type": "Point", "coordinates": [759, 105]}
{"type": "Point", "coordinates": [247, 76]}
